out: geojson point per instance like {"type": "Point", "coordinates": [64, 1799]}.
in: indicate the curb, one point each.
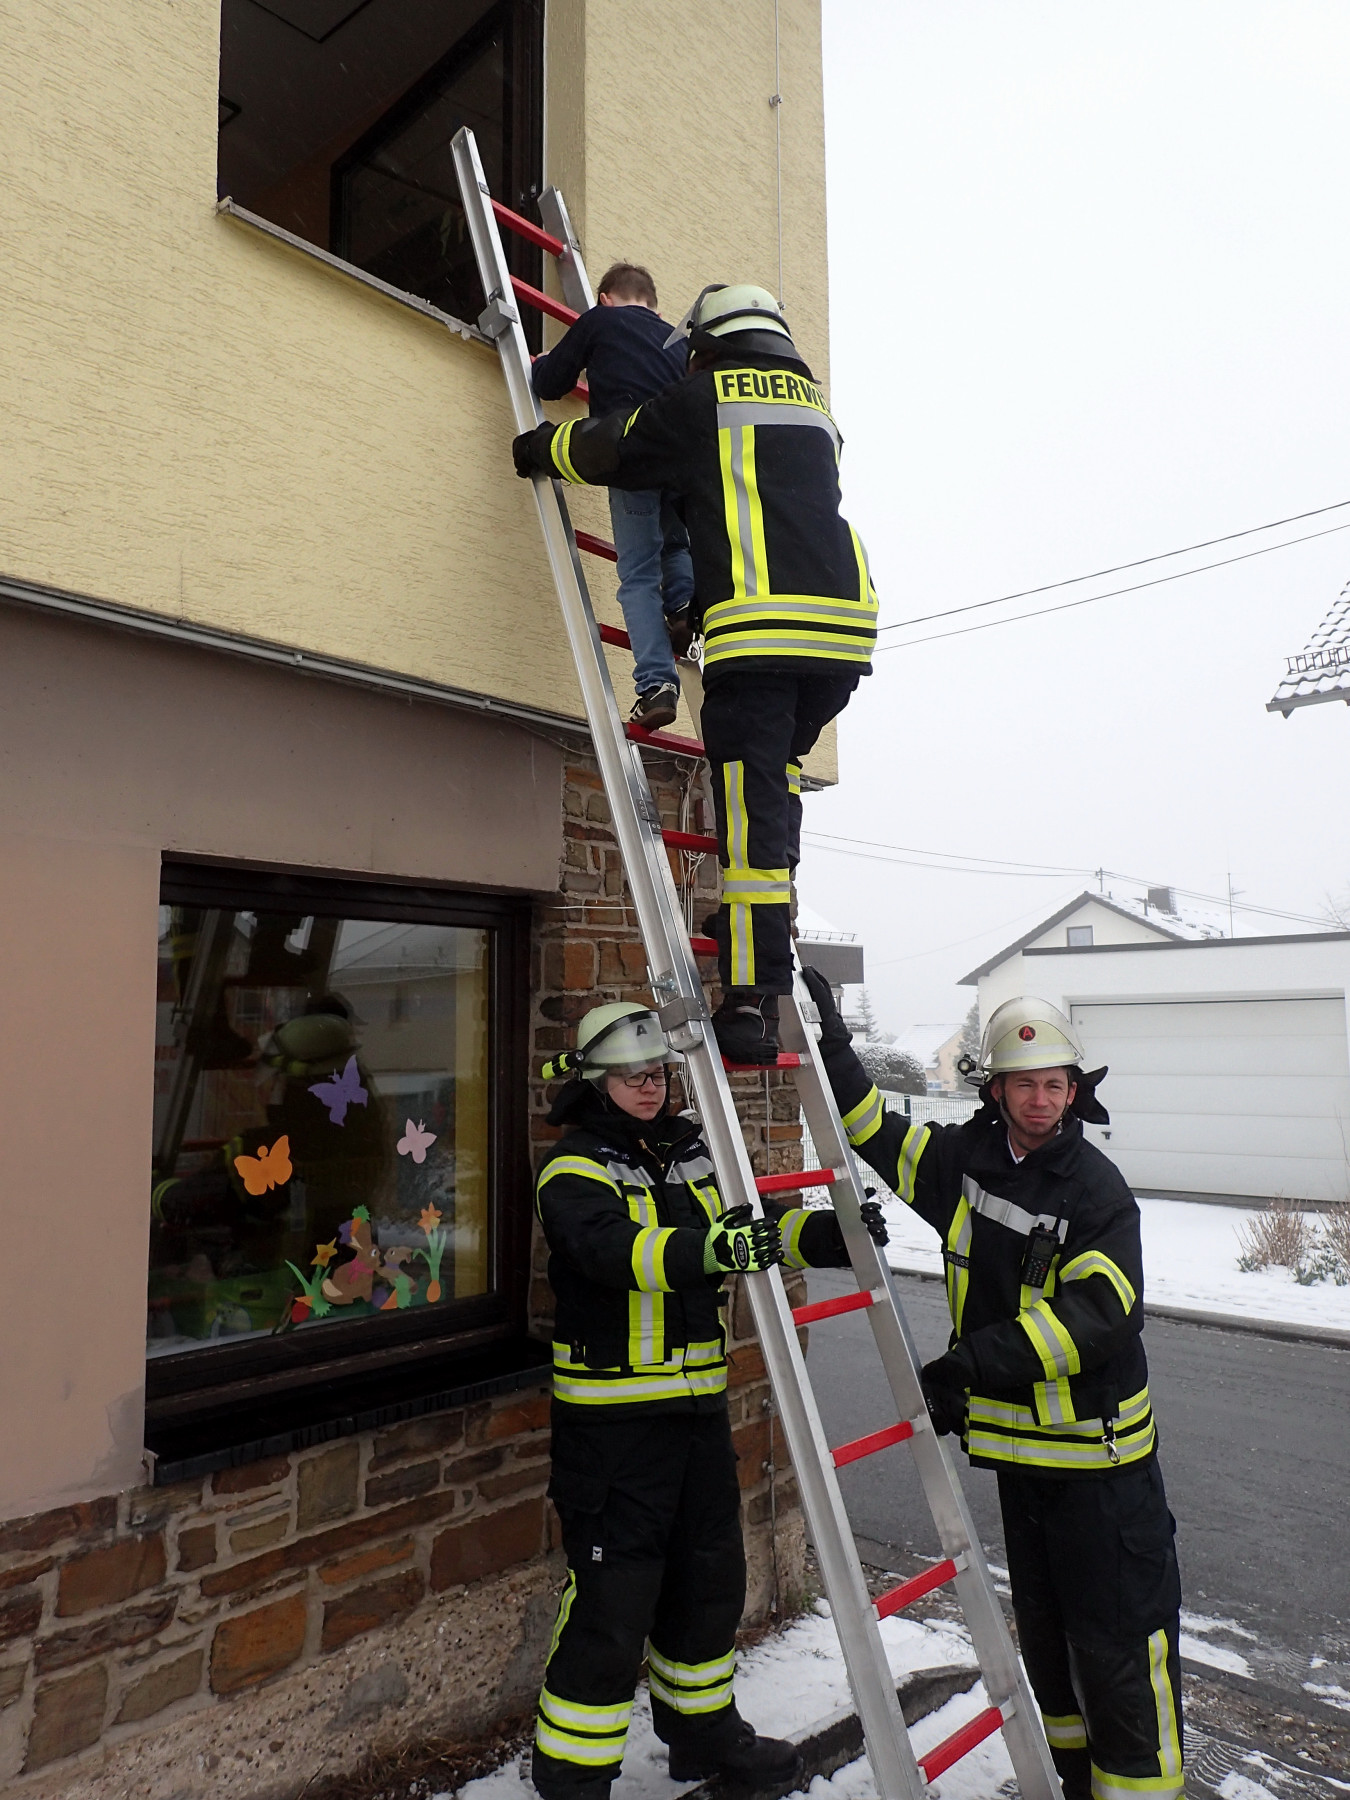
{"type": "Point", "coordinates": [1282, 1329]}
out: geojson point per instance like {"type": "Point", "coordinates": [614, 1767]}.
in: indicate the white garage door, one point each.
{"type": "Point", "coordinates": [1225, 1096]}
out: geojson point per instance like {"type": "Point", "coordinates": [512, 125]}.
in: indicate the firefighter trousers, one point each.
{"type": "Point", "coordinates": [1097, 1594]}
{"type": "Point", "coordinates": [650, 1514]}
{"type": "Point", "coordinates": [757, 726]}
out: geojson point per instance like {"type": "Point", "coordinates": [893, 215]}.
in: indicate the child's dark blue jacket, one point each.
{"type": "Point", "coordinates": [621, 350]}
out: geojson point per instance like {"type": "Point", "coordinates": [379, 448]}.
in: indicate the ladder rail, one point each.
{"type": "Point", "coordinates": [683, 1010]}
{"type": "Point", "coordinates": [651, 884]}
{"type": "Point", "coordinates": [1004, 1678]}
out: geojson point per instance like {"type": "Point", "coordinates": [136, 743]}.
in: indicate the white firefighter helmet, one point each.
{"type": "Point", "coordinates": [1028, 1034]}
{"type": "Point", "coordinates": [721, 310]}
{"type": "Point", "coordinates": [617, 1039]}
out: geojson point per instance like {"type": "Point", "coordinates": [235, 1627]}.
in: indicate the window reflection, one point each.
{"type": "Point", "coordinates": [321, 1122]}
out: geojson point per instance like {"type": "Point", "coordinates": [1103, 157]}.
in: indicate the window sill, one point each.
{"type": "Point", "coordinates": [243, 1431]}
{"type": "Point", "coordinates": [470, 333]}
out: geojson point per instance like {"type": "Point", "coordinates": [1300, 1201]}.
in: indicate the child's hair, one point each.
{"type": "Point", "coordinates": [628, 281]}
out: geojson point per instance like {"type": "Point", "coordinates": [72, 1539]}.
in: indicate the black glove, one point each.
{"type": "Point", "coordinates": [944, 1390]}
{"type": "Point", "coordinates": [833, 1031]}
{"type": "Point", "coordinates": [874, 1220]}
{"type": "Point", "coordinates": [530, 452]}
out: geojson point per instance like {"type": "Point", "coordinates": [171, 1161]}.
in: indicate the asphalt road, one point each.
{"type": "Point", "coordinates": [1255, 1448]}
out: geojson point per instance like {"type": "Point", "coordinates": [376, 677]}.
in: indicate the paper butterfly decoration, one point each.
{"type": "Point", "coordinates": [416, 1141]}
{"type": "Point", "coordinates": [342, 1091]}
{"type": "Point", "coordinates": [268, 1169]}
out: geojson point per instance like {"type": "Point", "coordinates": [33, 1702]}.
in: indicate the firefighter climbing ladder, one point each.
{"type": "Point", "coordinates": [680, 1002]}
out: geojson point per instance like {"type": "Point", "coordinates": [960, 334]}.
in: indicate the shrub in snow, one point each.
{"type": "Point", "coordinates": [1280, 1237]}
{"type": "Point", "coordinates": [892, 1069]}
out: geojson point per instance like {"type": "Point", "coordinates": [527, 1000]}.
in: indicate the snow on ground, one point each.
{"type": "Point", "coordinates": [1190, 1262]}
{"type": "Point", "coordinates": [786, 1685]}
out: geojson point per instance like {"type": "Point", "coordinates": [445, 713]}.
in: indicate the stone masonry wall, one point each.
{"type": "Point", "coordinates": [243, 1634]}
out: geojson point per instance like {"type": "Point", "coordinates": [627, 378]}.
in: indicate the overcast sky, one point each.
{"type": "Point", "coordinates": [1090, 278]}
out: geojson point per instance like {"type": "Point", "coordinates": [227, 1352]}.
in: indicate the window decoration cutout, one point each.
{"type": "Point", "coordinates": [416, 1141]}
{"type": "Point", "coordinates": [321, 1129]}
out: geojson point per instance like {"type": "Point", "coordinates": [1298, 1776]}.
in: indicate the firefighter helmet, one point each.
{"type": "Point", "coordinates": [748, 313]}
{"type": "Point", "coordinates": [617, 1039]}
{"type": "Point", "coordinates": [1028, 1034]}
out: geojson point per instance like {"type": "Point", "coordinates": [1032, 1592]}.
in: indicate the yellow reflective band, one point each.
{"type": "Point", "coordinates": [691, 1687]}
{"type": "Point", "coordinates": [866, 592]}
{"type": "Point", "coordinates": [708, 1198]}
{"type": "Point", "coordinates": [1051, 1342]}
{"type": "Point", "coordinates": [1001, 1431]}
{"type": "Point", "coordinates": [1120, 1787]}
{"type": "Point", "coordinates": [1054, 1403]}
{"type": "Point", "coordinates": [730, 505]}
{"type": "Point", "coordinates": [1065, 1732]}
{"type": "Point", "coordinates": [957, 1262]}
{"type": "Point", "coordinates": [790, 1228]}
{"type": "Point", "coordinates": [863, 1121]}
{"type": "Point", "coordinates": [794, 778]}
{"type": "Point", "coordinates": [576, 1165]}
{"type": "Point", "coordinates": [1093, 1262]}
{"type": "Point", "coordinates": [591, 1753]}
{"type": "Point", "coordinates": [569, 1594]}
{"type": "Point", "coordinates": [916, 1142]}
{"type": "Point", "coordinates": [649, 1258]}
{"type": "Point", "coordinates": [646, 1329]}
{"type": "Point", "coordinates": [560, 449]}
{"type": "Point", "coordinates": [592, 1719]}
{"type": "Point", "coordinates": [1169, 1736]}
{"type": "Point", "coordinates": [755, 887]}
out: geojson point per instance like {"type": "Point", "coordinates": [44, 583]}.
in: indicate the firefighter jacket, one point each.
{"type": "Point", "coordinates": [1058, 1379]}
{"type": "Point", "coordinates": [751, 450]}
{"type": "Point", "coordinates": [626, 1207]}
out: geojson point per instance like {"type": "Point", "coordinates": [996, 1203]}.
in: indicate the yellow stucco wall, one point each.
{"type": "Point", "coordinates": [198, 420]}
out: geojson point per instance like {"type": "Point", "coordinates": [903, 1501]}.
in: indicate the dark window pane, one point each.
{"type": "Point", "coordinates": [336, 120]}
{"type": "Point", "coordinates": [321, 1122]}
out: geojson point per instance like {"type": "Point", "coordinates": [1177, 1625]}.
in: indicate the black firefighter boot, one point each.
{"type": "Point", "coordinates": [739, 1756]}
{"type": "Point", "coordinates": [746, 1026]}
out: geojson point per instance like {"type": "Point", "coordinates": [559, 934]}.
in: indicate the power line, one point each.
{"type": "Point", "coordinates": [1111, 594]}
{"type": "Point", "coordinates": [1120, 568]}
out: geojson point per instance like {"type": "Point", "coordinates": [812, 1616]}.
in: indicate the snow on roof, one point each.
{"type": "Point", "coordinates": [1322, 671]}
{"type": "Point", "coordinates": [820, 931]}
{"type": "Point", "coordinates": [923, 1042]}
{"type": "Point", "coordinates": [1181, 927]}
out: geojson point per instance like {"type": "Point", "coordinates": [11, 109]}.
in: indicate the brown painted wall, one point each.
{"type": "Point", "coordinates": [112, 751]}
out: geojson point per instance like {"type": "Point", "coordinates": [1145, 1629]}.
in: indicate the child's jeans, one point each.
{"type": "Point", "coordinates": [656, 577]}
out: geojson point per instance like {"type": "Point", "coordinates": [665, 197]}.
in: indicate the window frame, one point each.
{"type": "Point", "coordinates": [185, 1384]}
{"type": "Point", "coordinates": [1080, 941]}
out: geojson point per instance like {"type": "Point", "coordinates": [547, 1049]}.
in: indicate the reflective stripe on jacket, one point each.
{"type": "Point", "coordinates": [639, 1324]}
{"type": "Point", "coordinates": [751, 450]}
{"type": "Point", "coordinates": [1063, 1382]}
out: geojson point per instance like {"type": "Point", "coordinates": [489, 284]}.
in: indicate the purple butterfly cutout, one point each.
{"type": "Point", "coordinates": [342, 1091]}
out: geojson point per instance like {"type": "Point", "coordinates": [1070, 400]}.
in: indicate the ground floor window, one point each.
{"type": "Point", "coordinates": [332, 1121]}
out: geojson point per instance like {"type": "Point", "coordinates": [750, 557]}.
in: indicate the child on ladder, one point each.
{"type": "Point", "coordinates": [621, 344]}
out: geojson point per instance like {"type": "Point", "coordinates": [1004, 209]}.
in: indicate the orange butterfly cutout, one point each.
{"type": "Point", "coordinates": [268, 1169]}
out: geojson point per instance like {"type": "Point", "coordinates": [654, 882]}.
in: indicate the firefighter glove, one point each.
{"type": "Point", "coordinates": [531, 452]}
{"type": "Point", "coordinates": [875, 1221]}
{"type": "Point", "coordinates": [944, 1390]}
{"type": "Point", "coordinates": [742, 1244]}
{"type": "Point", "coordinates": [833, 1031]}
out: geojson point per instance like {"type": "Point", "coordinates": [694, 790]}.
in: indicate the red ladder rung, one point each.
{"type": "Point", "coordinates": [690, 840]}
{"type": "Point", "coordinates": [827, 1309]}
{"type": "Point", "coordinates": [874, 1441]}
{"type": "Point", "coordinates": [914, 1589]}
{"type": "Point", "coordinates": [541, 302]}
{"type": "Point", "coordinates": [702, 946]}
{"type": "Point", "coordinates": [610, 634]}
{"type": "Point", "coordinates": [533, 234]}
{"type": "Point", "coordinates": [662, 740]}
{"type": "Point", "coordinates": [787, 1059]}
{"type": "Point", "coordinates": [596, 545]}
{"type": "Point", "coordinates": [793, 1179]}
{"type": "Point", "coordinates": [961, 1743]}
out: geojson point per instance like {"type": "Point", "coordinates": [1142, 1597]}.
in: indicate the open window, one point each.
{"type": "Point", "coordinates": [336, 1172]}
{"type": "Point", "coordinates": [336, 118]}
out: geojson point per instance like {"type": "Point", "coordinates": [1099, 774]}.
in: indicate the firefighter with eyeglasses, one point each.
{"type": "Point", "coordinates": [782, 595]}
{"type": "Point", "coordinates": [1046, 1382]}
{"type": "Point", "coordinates": [644, 1472]}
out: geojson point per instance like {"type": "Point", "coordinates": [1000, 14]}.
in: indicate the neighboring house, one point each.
{"type": "Point", "coordinates": [839, 955]}
{"type": "Point", "coordinates": [1228, 1058]}
{"type": "Point", "coordinates": [935, 1048]}
{"type": "Point", "coordinates": [304, 863]}
{"type": "Point", "coordinates": [1321, 671]}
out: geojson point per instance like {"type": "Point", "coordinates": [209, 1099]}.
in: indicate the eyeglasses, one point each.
{"type": "Point", "coordinates": [653, 1076]}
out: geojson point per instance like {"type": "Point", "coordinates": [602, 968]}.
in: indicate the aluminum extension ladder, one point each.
{"type": "Point", "coordinates": [681, 1005]}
